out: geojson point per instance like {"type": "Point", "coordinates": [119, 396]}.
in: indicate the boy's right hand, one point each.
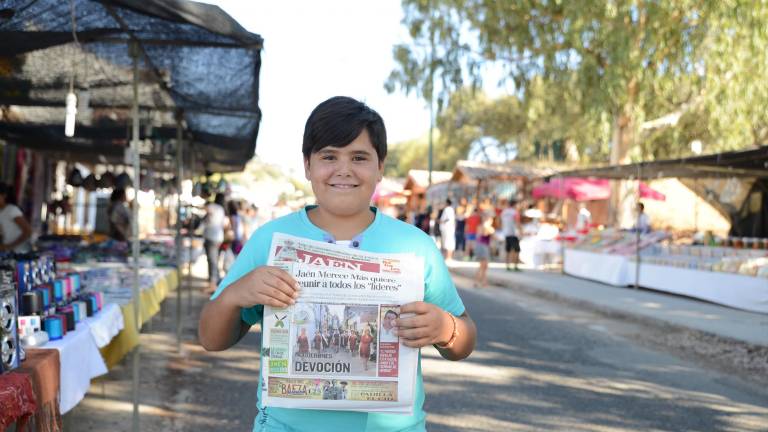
{"type": "Point", "coordinates": [270, 286]}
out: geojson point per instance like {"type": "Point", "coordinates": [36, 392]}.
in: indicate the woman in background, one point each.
{"type": "Point", "coordinates": [213, 235]}
{"type": "Point", "coordinates": [483, 249]}
{"type": "Point", "coordinates": [119, 216]}
{"type": "Point", "coordinates": [14, 229]}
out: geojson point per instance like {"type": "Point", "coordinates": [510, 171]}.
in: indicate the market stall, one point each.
{"type": "Point", "coordinates": [474, 180]}
{"type": "Point", "coordinates": [729, 270]}
{"type": "Point", "coordinates": [119, 64]}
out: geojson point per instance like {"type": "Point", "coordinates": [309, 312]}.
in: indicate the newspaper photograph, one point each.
{"type": "Point", "coordinates": [336, 347]}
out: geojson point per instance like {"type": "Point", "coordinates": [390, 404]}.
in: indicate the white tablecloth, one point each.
{"type": "Point", "coordinates": [106, 324]}
{"type": "Point", "coordinates": [734, 290]}
{"type": "Point", "coordinates": [609, 269]}
{"type": "Point", "coordinates": [537, 252]}
{"type": "Point", "coordinates": [81, 361]}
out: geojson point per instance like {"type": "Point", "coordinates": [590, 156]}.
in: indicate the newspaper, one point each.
{"type": "Point", "coordinates": [335, 348]}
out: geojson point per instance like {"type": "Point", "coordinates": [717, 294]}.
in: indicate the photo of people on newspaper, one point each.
{"type": "Point", "coordinates": [388, 317]}
{"type": "Point", "coordinates": [336, 348]}
{"type": "Point", "coordinates": [333, 389]}
{"type": "Point", "coordinates": [335, 339]}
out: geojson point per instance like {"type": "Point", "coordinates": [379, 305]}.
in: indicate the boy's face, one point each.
{"type": "Point", "coordinates": [344, 178]}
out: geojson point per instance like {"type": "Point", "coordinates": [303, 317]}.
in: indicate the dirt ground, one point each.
{"type": "Point", "coordinates": [187, 389]}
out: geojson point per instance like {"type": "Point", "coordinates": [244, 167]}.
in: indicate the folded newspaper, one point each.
{"type": "Point", "coordinates": [335, 348]}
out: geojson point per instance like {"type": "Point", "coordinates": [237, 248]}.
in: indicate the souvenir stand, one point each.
{"type": "Point", "coordinates": [501, 181]}
{"type": "Point", "coordinates": [117, 65]}
{"type": "Point", "coordinates": [730, 270]}
{"type": "Point", "coordinates": [588, 192]}
{"type": "Point", "coordinates": [415, 187]}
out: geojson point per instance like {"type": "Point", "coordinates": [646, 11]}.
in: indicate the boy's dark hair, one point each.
{"type": "Point", "coordinates": [338, 121]}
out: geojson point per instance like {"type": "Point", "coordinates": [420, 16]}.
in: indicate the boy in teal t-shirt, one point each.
{"type": "Point", "coordinates": [344, 150]}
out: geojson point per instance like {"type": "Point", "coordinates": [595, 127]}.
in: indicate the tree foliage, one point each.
{"type": "Point", "coordinates": [412, 154]}
{"type": "Point", "coordinates": [636, 78]}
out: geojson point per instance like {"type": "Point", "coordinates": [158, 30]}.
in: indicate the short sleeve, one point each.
{"type": "Point", "coordinates": [14, 212]}
{"type": "Point", "coordinates": [253, 255]}
{"type": "Point", "coordinates": [439, 288]}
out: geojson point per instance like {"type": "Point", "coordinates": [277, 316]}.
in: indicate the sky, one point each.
{"type": "Point", "coordinates": [314, 50]}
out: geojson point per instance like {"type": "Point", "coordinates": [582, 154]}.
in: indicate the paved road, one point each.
{"type": "Point", "coordinates": [538, 366]}
{"type": "Point", "coordinates": [542, 366]}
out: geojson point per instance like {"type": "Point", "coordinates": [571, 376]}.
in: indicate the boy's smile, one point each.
{"type": "Point", "coordinates": [344, 179]}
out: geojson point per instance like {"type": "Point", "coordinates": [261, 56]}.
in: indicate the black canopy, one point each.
{"type": "Point", "coordinates": [744, 163]}
{"type": "Point", "coordinates": [195, 61]}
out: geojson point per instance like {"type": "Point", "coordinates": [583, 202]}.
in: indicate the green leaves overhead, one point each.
{"type": "Point", "coordinates": [650, 76]}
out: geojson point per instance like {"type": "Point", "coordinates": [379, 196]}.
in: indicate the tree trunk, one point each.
{"type": "Point", "coordinates": [620, 209]}
{"type": "Point", "coordinates": [571, 150]}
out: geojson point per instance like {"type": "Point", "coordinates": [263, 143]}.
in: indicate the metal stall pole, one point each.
{"type": "Point", "coordinates": [133, 49]}
{"type": "Point", "coordinates": [637, 227]}
{"type": "Point", "coordinates": [179, 238]}
{"type": "Point", "coordinates": [192, 165]}
{"type": "Point", "coordinates": [563, 240]}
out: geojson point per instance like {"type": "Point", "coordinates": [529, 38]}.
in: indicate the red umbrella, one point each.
{"type": "Point", "coordinates": [581, 189]}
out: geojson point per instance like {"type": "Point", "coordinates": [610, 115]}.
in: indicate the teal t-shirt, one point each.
{"type": "Point", "coordinates": [384, 235]}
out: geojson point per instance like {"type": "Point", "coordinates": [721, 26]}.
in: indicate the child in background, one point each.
{"type": "Point", "coordinates": [483, 249]}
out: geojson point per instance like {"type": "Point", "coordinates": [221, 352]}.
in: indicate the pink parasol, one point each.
{"type": "Point", "coordinates": [581, 189]}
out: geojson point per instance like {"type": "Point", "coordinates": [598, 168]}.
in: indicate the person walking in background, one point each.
{"type": "Point", "coordinates": [423, 218]}
{"type": "Point", "coordinates": [434, 224]}
{"type": "Point", "coordinates": [448, 229]}
{"type": "Point", "coordinates": [510, 227]}
{"type": "Point", "coordinates": [119, 216]}
{"type": "Point", "coordinates": [250, 221]}
{"type": "Point", "coordinates": [460, 223]}
{"type": "Point", "coordinates": [472, 223]}
{"type": "Point", "coordinates": [483, 249]}
{"type": "Point", "coordinates": [237, 226]}
{"type": "Point", "coordinates": [213, 236]}
{"type": "Point", "coordinates": [14, 229]}
{"type": "Point", "coordinates": [234, 234]}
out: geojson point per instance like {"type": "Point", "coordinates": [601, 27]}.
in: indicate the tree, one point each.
{"type": "Point", "coordinates": [406, 155]}
{"type": "Point", "coordinates": [640, 67]}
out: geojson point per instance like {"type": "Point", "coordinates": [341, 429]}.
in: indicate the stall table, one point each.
{"type": "Point", "coordinates": [151, 298]}
{"type": "Point", "coordinates": [538, 252]}
{"type": "Point", "coordinates": [608, 269]}
{"type": "Point", "coordinates": [734, 290]}
{"type": "Point", "coordinates": [80, 362]}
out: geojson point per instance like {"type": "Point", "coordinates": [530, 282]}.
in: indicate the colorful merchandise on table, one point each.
{"type": "Point", "coordinates": [747, 262]}
{"type": "Point", "coordinates": [10, 354]}
{"type": "Point", "coordinates": [617, 242]}
{"type": "Point", "coordinates": [39, 303]}
{"type": "Point", "coordinates": [739, 255]}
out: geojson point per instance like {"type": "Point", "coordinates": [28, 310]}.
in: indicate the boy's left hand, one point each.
{"type": "Point", "coordinates": [427, 326]}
